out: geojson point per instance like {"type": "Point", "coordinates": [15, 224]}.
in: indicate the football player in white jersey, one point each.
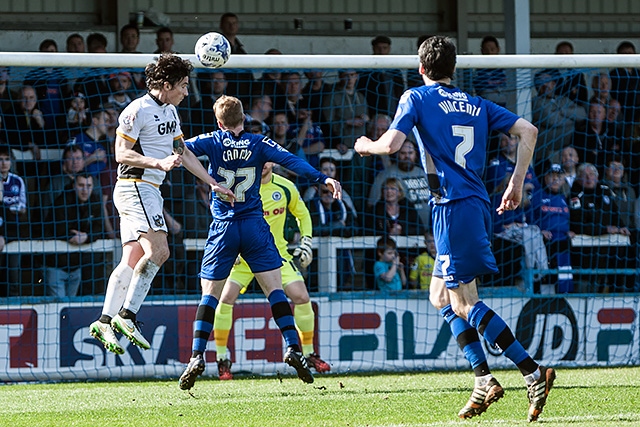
{"type": "Point", "coordinates": [149, 143]}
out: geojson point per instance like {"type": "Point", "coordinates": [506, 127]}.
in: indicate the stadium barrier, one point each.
{"type": "Point", "coordinates": [358, 332]}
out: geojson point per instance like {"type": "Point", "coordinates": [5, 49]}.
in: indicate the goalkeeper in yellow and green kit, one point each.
{"type": "Point", "coordinates": [279, 196]}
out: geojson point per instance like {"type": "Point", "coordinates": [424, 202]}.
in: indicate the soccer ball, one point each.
{"type": "Point", "coordinates": [213, 50]}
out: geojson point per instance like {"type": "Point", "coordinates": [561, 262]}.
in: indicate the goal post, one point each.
{"type": "Point", "coordinates": [358, 327]}
{"type": "Point", "coordinates": [116, 60]}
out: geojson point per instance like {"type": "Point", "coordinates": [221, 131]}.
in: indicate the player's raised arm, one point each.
{"type": "Point", "coordinates": [390, 142]}
{"type": "Point", "coordinates": [193, 165]}
{"type": "Point", "coordinates": [294, 163]}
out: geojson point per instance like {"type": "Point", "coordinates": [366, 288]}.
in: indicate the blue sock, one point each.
{"type": "Point", "coordinates": [204, 323]}
{"type": "Point", "coordinates": [283, 316]}
{"type": "Point", "coordinates": [497, 333]}
{"type": "Point", "coordinates": [468, 341]}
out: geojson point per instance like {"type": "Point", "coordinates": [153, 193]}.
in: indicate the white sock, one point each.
{"type": "Point", "coordinates": [532, 377]}
{"type": "Point", "coordinates": [117, 289]}
{"type": "Point", "coordinates": [483, 380]}
{"type": "Point", "coordinates": [143, 275]}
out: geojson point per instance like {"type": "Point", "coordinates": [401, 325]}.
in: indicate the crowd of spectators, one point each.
{"type": "Point", "coordinates": [318, 115]}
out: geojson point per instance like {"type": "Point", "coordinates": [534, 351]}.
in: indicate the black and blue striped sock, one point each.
{"type": "Point", "coordinates": [496, 332]}
{"type": "Point", "coordinates": [283, 316]}
{"type": "Point", "coordinates": [204, 324]}
{"type": "Point", "coordinates": [468, 341]}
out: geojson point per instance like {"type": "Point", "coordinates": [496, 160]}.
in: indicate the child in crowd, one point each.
{"type": "Point", "coordinates": [77, 114]}
{"type": "Point", "coordinates": [422, 267]}
{"type": "Point", "coordinates": [388, 270]}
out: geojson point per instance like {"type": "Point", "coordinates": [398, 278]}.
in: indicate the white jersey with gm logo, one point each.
{"type": "Point", "coordinates": [152, 128]}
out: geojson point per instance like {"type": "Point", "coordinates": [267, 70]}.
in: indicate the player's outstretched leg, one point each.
{"type": "Point", "coordinates": [103, 332]}
{"type": "Point", "coordinates": [296, 360]}
{"type": "Point", "coordinates": [481, 398]}
{"type": "Point", "coordinates": [125, 323]}
{"type": "Point", "coordinates": [194, 369]}
{"type": "Point", "coordinates": [538, 392]}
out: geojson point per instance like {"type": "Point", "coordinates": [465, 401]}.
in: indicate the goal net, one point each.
{"type": "Point", "coordinates": [569, 244]}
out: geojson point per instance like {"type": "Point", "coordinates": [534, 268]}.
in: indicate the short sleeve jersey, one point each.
{"type": "Point", "coordinates": [152, 128]}
{"type": "Point", "coordinates": [454, 129]}
{"type": "Point", "coordinates": [380, 268]}
{"type": "Point", "coordinates": [236, 162]}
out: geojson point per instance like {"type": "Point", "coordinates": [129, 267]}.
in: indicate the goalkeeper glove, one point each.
{"type": "Point", "coordinates": [303, 251]}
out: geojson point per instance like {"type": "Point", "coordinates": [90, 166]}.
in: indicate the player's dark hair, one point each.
{"type": "Point", "coordinates": [168, 68]}
{"type": "Point", "coordinates": [421, 39]}
{"type": "Point", "coordinates": [438, 57]}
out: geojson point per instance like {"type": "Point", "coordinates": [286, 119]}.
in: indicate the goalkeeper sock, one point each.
{"type": "Point", "coordinates": [304, 317]}
{"type": "Point", "coordinates": [497, 333]}
{"type": "Point", "coordinates": [223, 322]}
{"type": "Point", "coordinates": [468, 341]}
{"type": "Point", "coordinates": [204, 323]}
{"type": "Point", "coordinates": [283, 316]}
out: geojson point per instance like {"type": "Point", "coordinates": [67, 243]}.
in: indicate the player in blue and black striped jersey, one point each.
{"type": "Point", "coordinates": [453, 129]}
{"type": "Point", "coordinates": [236, 161]}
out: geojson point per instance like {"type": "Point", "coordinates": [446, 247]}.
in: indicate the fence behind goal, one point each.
{"type": "Point", "coordinates": [579, 309]}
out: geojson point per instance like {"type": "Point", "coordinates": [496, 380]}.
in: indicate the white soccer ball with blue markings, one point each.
{"type": "Point", "coordinates": [213, 50]}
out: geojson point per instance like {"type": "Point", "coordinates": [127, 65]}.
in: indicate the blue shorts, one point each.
{"type": "Point", "coordinates": [460, 229]}
{"type": "Point", "coordinates": [249, 237]}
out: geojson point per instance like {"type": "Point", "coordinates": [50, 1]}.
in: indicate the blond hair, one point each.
{"type": "Point", "coordinates": [392, 181]}
{"type": "Point", "coordinates": [229, 112]}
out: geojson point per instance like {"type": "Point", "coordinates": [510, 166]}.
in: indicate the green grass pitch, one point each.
{"type": "Point", "coordinates": [581, 397]}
